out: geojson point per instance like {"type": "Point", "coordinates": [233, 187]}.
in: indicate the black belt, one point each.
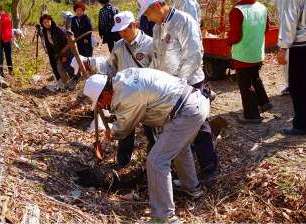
{"type": "Point", "coordinates": [180, 102]}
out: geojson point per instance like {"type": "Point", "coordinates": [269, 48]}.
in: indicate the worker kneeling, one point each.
{"type": "Point", "coordinates": [156, 99]}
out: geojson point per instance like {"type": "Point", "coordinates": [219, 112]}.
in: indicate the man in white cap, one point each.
{"type": "Point", "coordinates": [178, 50]}
{"type": "Point", "coordinates": [135, 47]}
{"type": "Point", "coordinates": [133, 50]}
{"type": "Point", "coordinates": [156, 99]}
{"type": "Point", "coordinates": [177, 43]}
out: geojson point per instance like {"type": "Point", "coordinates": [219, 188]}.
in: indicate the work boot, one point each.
{"type": "Point", "coordinates": [168, 220]}
{"type": "Point", "coordinates": [58, 85]}
{"type": "Point", "coordinates": [11, 73]}
{"type": "Point", "coordinates": [3, 83]}
{"type": "Point", "coordinates": [210, 177]}
{"type": "Point", "coordinates": [244, 120]}
{"type": "Point", "coordinates": [265, 107]}
{"type": "Point", "coordinates": [195, 193]}
{"type": "Point", "coordinates": [72, 82]}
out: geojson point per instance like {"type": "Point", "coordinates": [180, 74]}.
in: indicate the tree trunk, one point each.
{"type": "Point", "coordinates": [28, 15]}
{"type": "Point", "coordinates": [15, 14]}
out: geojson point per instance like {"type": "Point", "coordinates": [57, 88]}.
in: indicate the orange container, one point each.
{"type": "Point", "coordinates": [219, 48]}
{"type": "Point", "coordinates": [271, 37]}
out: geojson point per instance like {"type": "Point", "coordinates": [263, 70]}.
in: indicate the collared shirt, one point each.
{"type": "Point", "coordinates": [137, 38]}
{"type": "Point", "coordinates": [177, 46]}
{"type": "Point", "coordinates": [141, 48]}
{"type": "Point", "coordinates": [143, 95]}
{"type": "Point", "coordinates": [292, 32]}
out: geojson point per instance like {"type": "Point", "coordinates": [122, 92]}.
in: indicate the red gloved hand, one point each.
{"type": "Point", "coordinates": [108, 135]}
{"type": "Point", "coordinates": [99, 152]}
{"type": "Point", "coordinates": [281, 56]}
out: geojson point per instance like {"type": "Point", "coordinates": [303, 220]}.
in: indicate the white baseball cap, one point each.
{"type": "Point", "coordinates": [93, 88]}
{"type": "Point", "coordinates": [123, 20]}
{"type": "Point", "coordinates": [145, 4]}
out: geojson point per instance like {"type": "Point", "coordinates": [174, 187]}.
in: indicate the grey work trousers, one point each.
{"type": "Point", "coordinates": [174, 144]}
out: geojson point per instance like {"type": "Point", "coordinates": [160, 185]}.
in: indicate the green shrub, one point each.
{"type": "Point", "coordinates": [55, 9]}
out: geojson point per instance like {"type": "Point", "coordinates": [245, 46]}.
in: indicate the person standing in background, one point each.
{"type": "Point", "coordinates": [81, 24]}
{"type": "Point", "coordinates": [6, 36]}
{"type": "Point", "coordinates": [292, 38]}
{"type": "Point", "coordinates": [285, 68]}
{"type": "Point", "coordinates": [56, 40]}
{"type": "Point", "coordinates": [248, 24]}
{"type": "Point", "coordinates": [146, 26]}
{"type": "Point", "coordinates": [106, 22]}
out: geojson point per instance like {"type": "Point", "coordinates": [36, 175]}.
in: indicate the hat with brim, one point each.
{"type": "Point", "coordinates": [93, 88]}
{"type": "Point", "coordinates": [122, 20]}
{"type": "Point", "coordinates": [144, 5]}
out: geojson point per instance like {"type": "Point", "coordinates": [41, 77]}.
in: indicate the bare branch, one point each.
{"type": "Point", "coordinates": [28, 14]}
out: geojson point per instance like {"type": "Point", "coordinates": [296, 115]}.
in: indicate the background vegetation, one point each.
{"type": "Point", "coordinates": [25, 66]}
{"type": "Point", "coordinates": [55, 9]}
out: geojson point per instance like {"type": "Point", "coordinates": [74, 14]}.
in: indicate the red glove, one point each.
{"type": "Point", "coordinates": [108, 135]}
{"type": "Point", "coordinates": [98, 150]}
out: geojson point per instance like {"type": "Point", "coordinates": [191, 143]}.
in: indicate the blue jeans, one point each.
{"type": "Point", "coordinates": [6, 47]}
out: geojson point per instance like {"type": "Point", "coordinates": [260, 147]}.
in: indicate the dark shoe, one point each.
{"type": "Point", "coordinates": [73, 82]}
{"type": "Point", "coordinates": [167, 220]}
{"type": "Point", "coordinates": [293, 131]}
{"type": "Point", "coordinates": [3, 83]}
{"type": "Point", "coordinates": [266, 107]}
{"type": "Point", "coordinates": [212, 95]}
{"type": "Point", "coordinates": [250, 120]}
{"type": "Point", "coordinates": [194, 193]}
{"type": "Point", "coordinates": [285, 92]}
{"type": "Point", "coordinates": [210, 178]}
{"type": "Point", "coordinates": [11, 73]}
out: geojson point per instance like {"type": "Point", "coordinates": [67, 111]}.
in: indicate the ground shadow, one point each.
{"type": "Point", "coordinates": [244, 146]}
{"type": "Point", "coordinates": [77, 170]}
{"type": "Point", "coordinates": [41, 92]}
{"type": "Point", "coordinates": [228, 84]}
{"type": "Point", "coordinates": [78, 119]}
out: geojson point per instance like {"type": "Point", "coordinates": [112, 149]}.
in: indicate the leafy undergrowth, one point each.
{"type": "Point", "coordinates": [55, 10]}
